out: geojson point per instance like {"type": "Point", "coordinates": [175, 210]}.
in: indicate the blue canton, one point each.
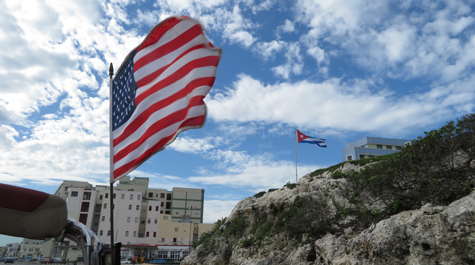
{"type": "Point", "coordinates": [123, 94]}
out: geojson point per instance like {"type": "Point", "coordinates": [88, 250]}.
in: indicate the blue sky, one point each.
{"type": "Point", "coordinates": [335, 69]}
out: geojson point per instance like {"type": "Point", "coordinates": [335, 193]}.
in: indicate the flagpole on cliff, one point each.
{"type": "Point", "coordinates": [111, 164]}
{"type": "Point", "coordinates": [296, 178]}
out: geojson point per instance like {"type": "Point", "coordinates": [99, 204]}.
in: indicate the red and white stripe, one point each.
{"type": "Point", "coordinates": [174, 68]}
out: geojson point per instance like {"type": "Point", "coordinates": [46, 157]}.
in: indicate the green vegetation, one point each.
{"type": "Point", "coordinates": [437, 168]}
{"type": "Point", "coordinates": [259, 194]}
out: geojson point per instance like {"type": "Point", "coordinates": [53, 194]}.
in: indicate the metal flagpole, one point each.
{"type": "Point", "coordinates": [111, 165]}
{"type": "Point", "coordinates": [296, 178]}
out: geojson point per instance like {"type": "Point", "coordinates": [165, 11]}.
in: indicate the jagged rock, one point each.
{"type": "Point", "coordinates": [429, 235]}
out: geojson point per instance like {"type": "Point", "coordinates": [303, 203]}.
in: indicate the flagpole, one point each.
{"type": "Point", "coordinates": [296, 178]}
{"type": "Point", "coordinates": [111, 165]}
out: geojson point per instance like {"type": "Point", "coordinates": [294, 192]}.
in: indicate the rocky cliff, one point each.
{"type": "Point", "coordinates": [429, 235]}
{"type": "Point", "coordinates": [414, 207]}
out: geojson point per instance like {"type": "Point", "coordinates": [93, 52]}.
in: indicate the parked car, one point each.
{"type": "Point", "coordinates": [46, 260]}
{"type": "Point", "coordinates": [2, 259]}
{"type": "Point", "coordinates": [157, 261]}
{"type": "Point", "coordinates": [10, 260]}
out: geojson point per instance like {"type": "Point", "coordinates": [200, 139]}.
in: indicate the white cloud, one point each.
{"type": "Point", "coordinates": [269, 49]}
{"type": "Point", "coordinates": [287, 27]}
{"type": "Point", "coordinates": [398, 42]}
{"type": "Point", "coordinates": [235, 26]}
{"type": "Point", "coordinates": [334, 104]}
{"type": "Point", "coordinates": [253, 172]}
{"type": "Point", "coordinates": [264, 5]}
{"type": "Point", "coordinates": [256, 173]}
{"type": "Point", "coordinates": [217, 210]}
{"type": "Point", "coordinates": [294, 62]}
{"type": "Point", "coordinates": [194, 146]}
{"type": "Point", "coordinates": [433, 43]}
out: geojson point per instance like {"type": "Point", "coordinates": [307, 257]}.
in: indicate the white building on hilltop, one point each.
{"type": "Point", "coordinates": [145, 219]}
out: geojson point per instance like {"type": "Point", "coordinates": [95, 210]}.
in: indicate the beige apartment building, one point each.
{"type": "Point", "coordinates": [149, 222]}
{"type": "Point", "coordinates": [30, 248]}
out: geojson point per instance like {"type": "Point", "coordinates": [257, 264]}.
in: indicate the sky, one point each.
{"type": "Point", "coordinates": [334, 69]}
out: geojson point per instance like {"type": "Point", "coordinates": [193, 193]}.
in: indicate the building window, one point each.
{"type": "Point", "coordinates": [123, 196]}
{"type": "Point", "coordinates": [349, 157]}
{"type": "Point", "coordinates": [74, 193]}
{"type": "Point", "coordinates": [142, 222]}
{"type": "Point", "coordinates": [154, 234]}
{"type": "Point", "coordinates": [167, 212]}
{"type": "Point", "coordinates": [100, 233]}
{"type": "Point", "coordinates": [107, 195]}
{"type": "Point", "coordinates": [83, 218]}
{"type": "Point", "coordinates": [162, 204]}
{"type": "Point", "coordinates": [169, 205]}
{"type": "Point", "coordinates": [136, 219]}
{"type": "Point", "coordinates": [163, 239]}
{"type": "Point", "coordinates": [156, 208]}
{"type": "Point", "coordinates": [155, 221]}
{"type": "Point", "coordinates": [148, 220]}
{"type": "Point", "coordinates": [174, 240]}
{"type": "Point", "coordinates": [138, 197]}
{"type": "Point", "coordinates": [150, 194]}
{"type": "Point", "coordinates": [126, 233]}
{"type": "Point", "coordinates": [128, 219]}
{"type": "Point", "coordinates": [84, 206]}
{"type": "Point", "coordinates": [113, 196]}
{"type": "Point", "coordinates": [379, 146]}
{"type": "Point", "coordinates": [130, 206]}
{"type": "Point", "coordinates": [150, 208]}
{"type": "Point", "coordinates": [131, 196]}
{"type": "Point", "coordinates": [105, 205]}
{"type": "Point", "coordinates": [109, 232]}
{"type": "Point", "coordinates": [361, 156]}
{"type": "Point", "coordinates": [398, 148]}
{"type": "Point", "coordinates": [389, 147]}
{"type": "Point", "coordinates": [147, 234]}
{"type": "Point", "coordinates": [176, 229]}
{"type": "Point", "coordinates": [100, 197]}
{"type": "Point", "coordinates": [169, 196]}
{"type": "Point", "coordinates": [162, 195]}
{"type": "Point", "coordinates": [66, 188]}
{"type": "Point", "coordinates": [103, 218]}
{"type": "Point", "coordinates": [161, 212]}
{"type": "Point", "coordinates": [137, 208]}
{"type": "Point", "coordinates": [135, 233]}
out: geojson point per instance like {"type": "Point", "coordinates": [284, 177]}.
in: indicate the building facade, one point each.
{"type": "Point", "coordinates": [144, 218]}
{"type": "Point", "coordinates": [369, 147]}
{"type": "Point", "coordinates": [31, 248]}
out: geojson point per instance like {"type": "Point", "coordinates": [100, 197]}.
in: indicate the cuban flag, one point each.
{"type": "Point", "coordinates": [302, 138]}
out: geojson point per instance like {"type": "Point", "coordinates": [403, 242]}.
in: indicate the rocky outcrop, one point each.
{"type": "Point", "coordinates": [429, 235]}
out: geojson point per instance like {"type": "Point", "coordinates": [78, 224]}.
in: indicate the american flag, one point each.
{"type": "Point", "coordinates": [159, 89]}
